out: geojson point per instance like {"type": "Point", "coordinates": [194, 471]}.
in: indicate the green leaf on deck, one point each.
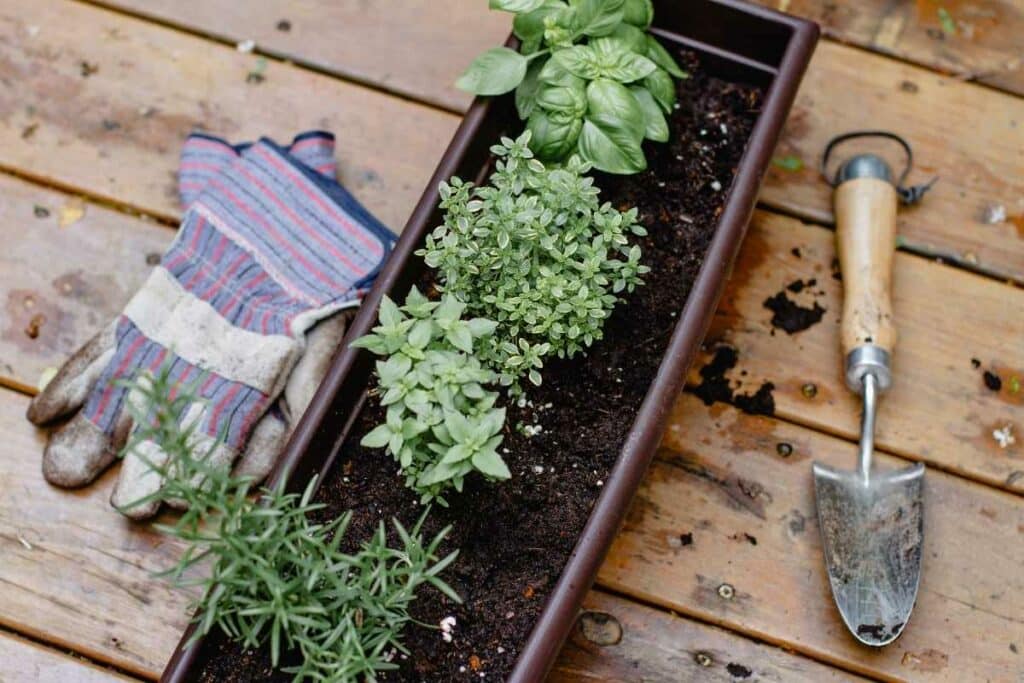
{"type": "Point", "coordinates": [946, 19]}
{"type": "Point", "coordinates": [789, 163]}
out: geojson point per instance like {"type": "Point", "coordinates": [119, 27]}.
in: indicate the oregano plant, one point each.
{"type": "Point", "coordinates": [441, 422]}
{"type": "Point", "coordinates": [537, 253]}
{"type": "Point", "coordinates": [589, 79]}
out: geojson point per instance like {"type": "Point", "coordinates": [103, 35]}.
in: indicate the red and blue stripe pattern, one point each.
{"type": "Point", "coordinates": [204, 156]}
{"type": "Point", "coordinates": [232, 407]}
{"type": "Point", "coordinates": [272, 243]}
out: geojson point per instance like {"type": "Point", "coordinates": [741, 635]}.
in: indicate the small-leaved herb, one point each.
{"type": "Point", "coordinates": [441, 422]}
{"type": "Point", "coordinates": [271, 576]}
{"type": "Point", "coordinates": [589, 79]}
{"type": "Point", "coordinates": [534, 251]}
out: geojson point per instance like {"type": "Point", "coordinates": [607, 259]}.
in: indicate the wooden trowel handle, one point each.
{"type": "Point", "coordinates": [865, 210]}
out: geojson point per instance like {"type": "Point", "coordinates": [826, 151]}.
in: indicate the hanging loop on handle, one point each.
{"type": "Point", "coordinates": [908, 195]}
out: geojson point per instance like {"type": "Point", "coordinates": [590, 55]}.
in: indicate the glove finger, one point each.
{"type": "Point", "coordinates": [78, 451]}
{"type": "Point", "coordinates": [322, 343]}
{"type": "Point", "coordinates": [136, 493]}
{"type": "Point", "coordinates": [264, 447]}
{"type": "Point", "coordinates": [69, 388]}
{"type": "Point", "coordinates": [216, 455]}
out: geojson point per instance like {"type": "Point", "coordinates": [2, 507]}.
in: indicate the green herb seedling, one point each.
{"type": "Point", "coordinates": [589, 79]}
{"type": "Point", "coordinates": [270, 575]}
{"type": "Point", "coordinates": [441, 423]}
{"type": "Point", "coordinates": [536, 252]}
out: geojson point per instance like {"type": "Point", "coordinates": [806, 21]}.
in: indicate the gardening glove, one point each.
{"type": "Point", "coordinates": [269, 245]}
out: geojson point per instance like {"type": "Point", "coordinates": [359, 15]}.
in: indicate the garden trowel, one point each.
{"type": "Point", "coordinates": [871, 521]}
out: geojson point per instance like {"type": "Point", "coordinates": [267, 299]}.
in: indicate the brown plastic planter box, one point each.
{"type": "Point", "coordinates": [737, 41]}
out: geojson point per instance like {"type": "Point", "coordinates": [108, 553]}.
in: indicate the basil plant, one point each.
{"type": "Point", "coordinates": [589, 79]}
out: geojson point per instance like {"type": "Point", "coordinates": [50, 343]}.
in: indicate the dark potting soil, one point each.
{"type": "Point", "coordinates": [515, 537]}
{"type": "Point", "coordinates": [790, 316]}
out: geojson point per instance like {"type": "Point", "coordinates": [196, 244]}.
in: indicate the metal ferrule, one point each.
{"type": "Point", "coordinates": [865, 359]}
{"type": "Point", "coordinates": [864, 166]}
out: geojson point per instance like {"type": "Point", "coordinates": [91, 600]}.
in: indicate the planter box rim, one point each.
{"type": "Point", "coordinates": [779, 54]}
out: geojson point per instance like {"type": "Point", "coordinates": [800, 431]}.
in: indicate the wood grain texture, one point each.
{"type": "Point", "coordinates": [724, 528]}
{"type": "Point", "coordinates": [74, 572]}
{"type": "Point", "coordinates": [60, 285]}
{"type": "Point", "coordinates": [979, 41]}
{"type": "Point", "coordinates": [865, 240]}
{"type": "Point", "coordinates": [940, 409]}
{"type": "Point", "coordinates": [103, 103]}
{"type": "Point", "coordinates": [22, 661]}
{"type": "Point", "coordinates": [618, 640]}
{"type": "Point", "coordinates": [428, 44]}
{"type": "Point", "coordinates": [77, 574]}
{"type": "Point", "coordinates": [969, 136]}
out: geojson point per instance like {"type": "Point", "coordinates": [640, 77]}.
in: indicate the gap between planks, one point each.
{"type": "Point", "coordinates": [279, 56]}
{"type": "Point", "coordinates": [34, 647]}
{"type": "Point", "coordinates": [699, 617]}
{"type": "Point", "coordinates": [76, 301]}
{"type": "Point", "coordinates": [947, 226]}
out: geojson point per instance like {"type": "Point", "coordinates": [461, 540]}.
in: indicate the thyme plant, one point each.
{"type": "Point", "coordinates": [275, 577]}
{"type": "Point", "coordinates": [441, 422]}
{"type": "Point", "coordinates": [589, 79]}
{"type": "Point", "coordinates": [535, 251]}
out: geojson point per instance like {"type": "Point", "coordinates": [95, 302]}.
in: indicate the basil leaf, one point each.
{"type": "Point", "coordinates": [656, 128]}
{"type": "Point", "coordinates": [529, 26]}
{"type": "Point", "coordinates": [638, 12]}
{"type": "Point", "coordinates": [563, 99]}
{"type": "Point", "coordinates": [495, 72]}
{"type": "Point", "coordinates": [663, 88]}
{"type": "Point", "coordinates": [553, 135]}
{"type": "Point", "coordinates": [612, 105]}
{"type": "Point", "coordinates": [613, 129]}
{"type": "Point", "coordinates": [657, 53]}
{"type": "Point", "coordinates": [527, 90]}
{"type": "Point", "coordinates": [579, 60]}
{"type": "Point", "coordinates": [632, 38]}
{"type": "Point", "coordinates": [610, 150]}
{"type": "Point", "coordinates": [556, 74]}
{"type": "Point", "coordinates": [597, 17]}
{"type": "Point", "coordinates": [616, 61]}
{"type": "Point", "coordinates": [516, 5]}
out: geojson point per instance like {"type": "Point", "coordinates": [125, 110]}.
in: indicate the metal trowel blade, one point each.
{"type": "Point", "coordinates": [872, 533]}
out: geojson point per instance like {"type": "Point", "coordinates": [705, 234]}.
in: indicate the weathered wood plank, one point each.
{"type": "Point", "coordinates": [198, 83]}
{"type": "Point", "coordinates": [75, 572]}
{"type": "Point", "coordinates": [103, 102]}
{"type": "Point", "coordinates": [619, 640]}
{"type": "Point", "coordinates": [62, 284]}
{"type": "Point", "coordinates": [412, 47]}
{"type": "Point", "coordinates": [845, 89]}
{"type": "Point", "coordinates": [940, 409]}
{"type": "Point", "coordinates": [22, 661]}
{"type": "Point", "coordinates": [971, 40]}
{"type": "Point", "coordinates": [970, 136]}
{"type": "Point", "coordinates": [722, 508]}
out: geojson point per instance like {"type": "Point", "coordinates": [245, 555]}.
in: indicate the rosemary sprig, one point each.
{"type": "Point", "coordinates": [275, 577]}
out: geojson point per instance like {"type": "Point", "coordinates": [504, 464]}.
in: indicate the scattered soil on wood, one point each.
{"type": "Point", "coordinates": [790, 316]}
{"type": "Point", "coordinates": [515, 537]}
{"type": "Point", "coordinates": [715, 387]}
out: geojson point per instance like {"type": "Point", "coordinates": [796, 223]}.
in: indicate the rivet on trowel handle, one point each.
{"type": "Point", "coordinates": [871, 521]}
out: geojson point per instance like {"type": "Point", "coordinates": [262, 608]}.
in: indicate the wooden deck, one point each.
{"type": "Point", "coordinates": [97, 97]}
